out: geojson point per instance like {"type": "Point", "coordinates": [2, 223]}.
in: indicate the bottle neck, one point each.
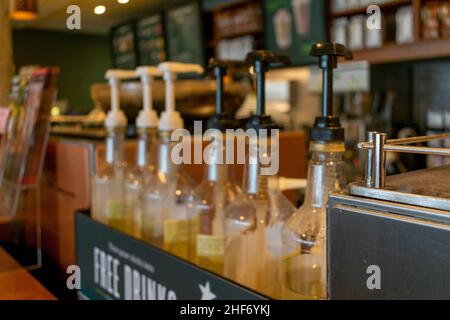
{"type": "Point", "coordinates": [219, 173]}
{"type": "Point", "coordinates": [255, 182]}
{"type": "Point", "coordinates": [325, 176]}
{"type": "Point", "coordinates": [115, 143]}
{"type": "Point", "coordinates": [217, 170]}
{"type": "Point", "coordinates": [165, 164]}
{"type": "Point", "coordinates": [146, 148]}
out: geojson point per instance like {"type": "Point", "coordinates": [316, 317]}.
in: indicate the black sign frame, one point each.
{"type": "Point", "coordinates": [134, 267]}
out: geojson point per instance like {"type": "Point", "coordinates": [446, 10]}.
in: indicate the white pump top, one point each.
{"type": "Point", "coordinates": [148, 118]}
{"type": "Point", "coordinates": [116, 118]}
{"type": "Point", "coordinates": [171, 119]}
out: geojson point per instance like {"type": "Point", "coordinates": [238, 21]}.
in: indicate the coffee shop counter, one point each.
{"type": "Point", "coordinates": [65, 188]}
{"type": "Point", "coordinates": [16, 283]}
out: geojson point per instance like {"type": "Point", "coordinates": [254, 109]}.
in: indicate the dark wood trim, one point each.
{"type": "Point", "coordinates": [420, 50]}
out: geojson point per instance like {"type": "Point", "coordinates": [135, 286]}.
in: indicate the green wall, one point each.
{"type": "Point", "coordinates": [83, 60]}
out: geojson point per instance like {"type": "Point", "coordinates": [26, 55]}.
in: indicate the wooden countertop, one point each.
{"type": "Point", "coordinates": [16, 283]}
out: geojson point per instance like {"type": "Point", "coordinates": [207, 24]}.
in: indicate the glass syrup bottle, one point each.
{"type": "Point", "coordinates": [304, 234]}
{"type": "Point", "coordinates": [247, 219]}
{"type": "Point", "coordinates": [218, 188]}
{"type": "Point", "coordinates": [144, 173]}
{"type": "Point", "coordinates": [166, 203]}
{"type": "Point", "coordinates": [108, 184]}
{"type": "Point", "coordinates": [281, 210]}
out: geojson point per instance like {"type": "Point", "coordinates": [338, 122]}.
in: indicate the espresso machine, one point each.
{"type": "Point", "coordinates": [389, 237]}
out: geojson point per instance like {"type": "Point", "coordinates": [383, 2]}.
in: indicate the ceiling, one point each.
{"type": "Point", "coordinates": [52, 14]}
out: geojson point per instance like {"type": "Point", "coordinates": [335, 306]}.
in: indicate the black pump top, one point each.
{"type": "Point", "coordinates": [331, 49]}
{"type": "Point", "coordinates": [262, 61]}
{"type": "Point", "coordinates": [327, 128]}
{"type": "Point", "coordinates": [221, 120]}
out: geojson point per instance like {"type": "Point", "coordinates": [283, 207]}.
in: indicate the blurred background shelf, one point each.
{"type": "Point", "coordinates": [362, 10]}
{"type": "Point", "coordinates": [420, 50]}
{"type": "Point", "coordinates": [424, 43]}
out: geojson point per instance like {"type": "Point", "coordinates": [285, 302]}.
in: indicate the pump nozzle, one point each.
{"type": "Point", "coordinates": [327, 128]}
{"type": "Point", "coordinates": [261, 61]}
{"type": "Point", "coordinates": [116, 117]}
{"type": "Point", "coordinates": [221, 120]}
{"type": "Point", "coordinates": [148, 118]}
{"type": "Point", "coordinates": [170, 118]}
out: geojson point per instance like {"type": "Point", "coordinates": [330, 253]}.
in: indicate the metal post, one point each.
{"type": "Point", "coordinates": [379, 161]}
{"type": "Point", "coordinates": [260, 70]}
{"type": "Point", "coordinates": [327, 86]}
{"type": "Point", "coordinates": [219, 73]}
{"type": "Point", "coordinates": [369, 161]}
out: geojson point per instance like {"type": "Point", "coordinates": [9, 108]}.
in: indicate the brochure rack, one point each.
{"type": "Point", "coordinates": [23, 153]}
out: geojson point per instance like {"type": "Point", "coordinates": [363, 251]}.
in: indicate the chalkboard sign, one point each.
{"type": "Point", "coordinates": [124, 46]}
{"type": "Point", "coordinates": [184, 34]}
{"type": "Point", "coordinates": [293, 26]}
{"type": "Point", "coordinates": [151, 43]}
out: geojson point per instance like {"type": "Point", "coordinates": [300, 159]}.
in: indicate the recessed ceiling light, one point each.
{"type": "Point", "coordinates": [123, 1]}
{"type": "Point", "coordinates": [99, 9]}
{"type": "Point", "coordinates": [23, 10]}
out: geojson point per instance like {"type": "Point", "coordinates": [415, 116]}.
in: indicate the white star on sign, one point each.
{"type": "Point", "coordinates": [206, 292]}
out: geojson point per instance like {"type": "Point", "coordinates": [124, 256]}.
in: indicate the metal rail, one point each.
{"type": "Point", "coordinates": [369, 145]}
{"type": "Point", "coordinates": [378, 145]}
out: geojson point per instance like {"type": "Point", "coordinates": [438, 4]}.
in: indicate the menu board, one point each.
{"type": "Point", "coordinates": [184, 34]}
{"type": "Point", "coordinates": [124, 46]}
{"type": "Point", "coordinates": [293, 26]}
{"type": "Point", "coordinates": [150, 38]}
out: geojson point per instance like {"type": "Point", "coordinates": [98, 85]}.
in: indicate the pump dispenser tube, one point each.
{"type": "Point", "coordinates": [304, 267]}
{"type": "Point", "coordinates": [218, 188]}
{"type": "Point", "coordinates": [253, 222]}
{"type": "Point", "coordinates": [144, 172]}
{"type": "Point", "coordinates": [108, 184]}
{"type": "Point", "coordinates": [166, 201]}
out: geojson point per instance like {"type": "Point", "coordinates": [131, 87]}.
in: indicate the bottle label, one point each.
{"type": "Point", "coordinates": [176, 236]}
{"type": "Point", "coordinates": [115, 210]}
{"type": "Point", "coordinates": [210, 246]}
{"type": "Point", "coordinates": [175, 231]}
{"type": "Point", "coordinates": [210, 253]}
{"type": "Point", "coordinates": [116, 213]}
{"type": "Point", "coordinates": [148, 227]}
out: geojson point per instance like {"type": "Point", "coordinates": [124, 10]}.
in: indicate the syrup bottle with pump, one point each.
{"type": "Point", "coordinates": [247, 219]}
{"type": "Point", "coordinates": [144, 173]}
{"type": "Point", "coordinates": [166, 202]}
{"type": "Point", "coordinates": [108, 184]}
{"type": "Point", "coordinates": [218, 188]}
{"type": "Point", "coordinates": [304, 234]}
